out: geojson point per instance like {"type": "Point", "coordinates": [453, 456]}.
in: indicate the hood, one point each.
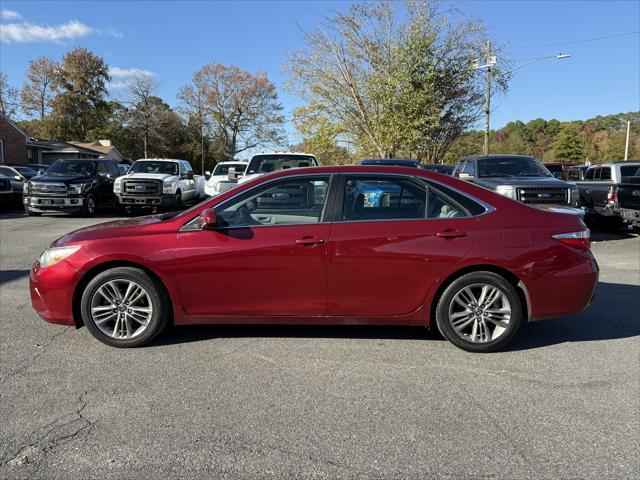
{"type": "Point", "coordinates": [117, 228]}
{"type": "Point", "coordinates": [493, 182]}
{"type": "Point", "coordinates": [148, 176]}
{"type": "Point", "coordinates": [66, 179]}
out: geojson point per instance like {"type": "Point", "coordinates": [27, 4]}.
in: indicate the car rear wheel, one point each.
{"type": "Point", "coordinates": [124, 307]}
{"type": "Point", "coordinates": [479, 312]}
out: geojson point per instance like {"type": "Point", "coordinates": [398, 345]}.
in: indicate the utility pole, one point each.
{"type": "Point", "coordinates": [626, 145]}
{"type": "Point", "coordinates": [487, 102]}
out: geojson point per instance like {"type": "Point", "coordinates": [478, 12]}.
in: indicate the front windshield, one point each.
{"type": "Point", "coordinates": [272, 163]}
{"type": "Point", "coordinates": [26, 172]}
{"type": "Point", "coordinates": [72, 167]}
{"type": "Point", "coordinates": [224, 169]}
{"type": "Point", "coordinates": [149, 166]}
{"type": "Point", "coordinates": [511, 167]}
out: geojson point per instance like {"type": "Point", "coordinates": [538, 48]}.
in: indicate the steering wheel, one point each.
{"type": "Point", "coordinates": [243, 217]}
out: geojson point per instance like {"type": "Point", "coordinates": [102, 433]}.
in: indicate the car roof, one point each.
{"type": "Point", "coordinates": [284, 153]}
{"type": "Point", "coordinates": [496, 155]}
{"type": "Point", "coordinates": [388, 161]}
{"type": "Point", "coordinates": [232, 161]}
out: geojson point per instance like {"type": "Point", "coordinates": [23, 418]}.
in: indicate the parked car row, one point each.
{"type": "Point", "coordinates": [82, 186]}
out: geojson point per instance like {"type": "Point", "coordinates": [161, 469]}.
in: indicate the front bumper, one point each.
{"type": "Point", "coordinates": [52, 291]}
{"type": "Point", "coordinates": [150, 202]}
{"type": "Point", "coordinates": [48, 204]}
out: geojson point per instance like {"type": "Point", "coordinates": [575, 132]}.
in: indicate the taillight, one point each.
{"type": "Point", "coordinates": [580, 240]}
{"type": "Point", "coordinates": [612, 196]}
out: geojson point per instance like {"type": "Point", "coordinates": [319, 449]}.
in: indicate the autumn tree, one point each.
{"type": "Point", "coordinates": [8, 97]}
{"type": "Point", "coordinates": [37, 92]}
{"type": "Point", "coordinates": [80, 105]}
{"type": "Point", "coordinates": [396, 82]}
{"type": "Point", "coordinates": [146, 113]}
{"type": "Point", "coordinates": [240, 108]}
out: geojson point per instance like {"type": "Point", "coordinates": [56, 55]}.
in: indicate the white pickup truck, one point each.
{"type": "Point", "coordinates": [223, 174]}
{"type": "Point", "coordinates": [158, 183]}
{"type": "Point", "coordinates": [262, 163]}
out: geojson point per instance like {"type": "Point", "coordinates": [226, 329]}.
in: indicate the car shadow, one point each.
{"type": "Point", "coordinates": [604, 235]}
{"type": "Point", "coordinates": [11, 275]}
{"type": "Point", "coordinates": [612, 315]}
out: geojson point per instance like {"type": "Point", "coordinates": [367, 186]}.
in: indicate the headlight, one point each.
{"type": "Point", "coordinates": [77, 187]}
{"type": "Point", "coordinates": [575, 196]}
{"type": "Point", "coordinates": [26, 188]}
{"type": "Point", "coordinates": [117, 186]}
{"type": "Point", "coordinates": [53, 255]}
{"type": "Point", "coordinates": [506, 191]}
{"type": "Point", "coordinates": [167, 187]}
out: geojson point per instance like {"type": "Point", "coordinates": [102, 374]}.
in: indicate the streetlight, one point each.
{"type": "Point", "coordinates": [491, 60]}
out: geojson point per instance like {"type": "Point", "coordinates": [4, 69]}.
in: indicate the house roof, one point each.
{"type": "Point", "coordinates": [16, 126]}
{"type": "Point", "coordinates": [97, 146]}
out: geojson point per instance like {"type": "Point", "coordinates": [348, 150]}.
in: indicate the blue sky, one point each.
{"type": "Point", "coordinates": [174, 39]}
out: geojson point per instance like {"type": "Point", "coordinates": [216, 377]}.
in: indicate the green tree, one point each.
{"type": "Point", "coordinates": [569, 145]}
{"type": "Point", "coordinates": [80, 106]}
{"type": "Point", "coordinates": [395, 82]}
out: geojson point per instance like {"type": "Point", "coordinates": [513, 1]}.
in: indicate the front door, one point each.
{"type": "Point", "coordinates": [267, 258]}
{"type": "Point", "coordinates": [391, 242]}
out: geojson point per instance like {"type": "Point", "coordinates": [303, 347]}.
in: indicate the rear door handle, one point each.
{"type": "Point", "coordinates": [451, 233]}
{"type": "Point", "coordinates": [309, 240]}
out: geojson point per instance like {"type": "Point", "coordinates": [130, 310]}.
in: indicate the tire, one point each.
{"type": "Point", "coordinates": [177, 205]}
{"type": "Point", "coordinates": [119, 323]}
{"type": "Point", "coordinates": [89, 207]}
{"type": "Point", "coordinates": [479, 327]}
{"type": "Point", "coordinates": [31, 213]}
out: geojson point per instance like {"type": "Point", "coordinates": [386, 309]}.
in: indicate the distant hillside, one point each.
{"type": "Point", "coordinates": [599, 139]}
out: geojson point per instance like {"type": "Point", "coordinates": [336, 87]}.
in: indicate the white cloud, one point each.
{"type": "Point", "coordinates": [28, 32]}
{"type": "Point", "coordinates": [9, 14]}
{"type": "Point", "coordinates": [117, 72]}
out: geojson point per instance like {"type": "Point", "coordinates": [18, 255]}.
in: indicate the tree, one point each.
{"type": "Point", "coordinates": [145, 114]}
{"type": "Point", "coordinates": [193, 108]}
{"type": "Point", "coordinates": [320, 138]}
{"type": "Point", "coordinates": [241, 108]}
{"type": "Point", "coordinates": [394, 82]}
{"type": "Point", "coordinates": [37, 92]}
{"type": "Point", "coordinates": [81, 105]}
{"type": "Point", "coordinates": [569, 145]}
{"type": "Point", "coordinates": [8, 97]}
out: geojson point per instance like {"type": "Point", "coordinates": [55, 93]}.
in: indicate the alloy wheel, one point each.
{"type": "Point", "coordinates": [480, 313]}
{"type": "Point", "coordinates": [121, 309]}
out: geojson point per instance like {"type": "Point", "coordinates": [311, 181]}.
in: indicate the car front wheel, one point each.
{"type": "Point", "coordinates": [124, 307]}
{"type": "Point", "coordinates": [479, 312]}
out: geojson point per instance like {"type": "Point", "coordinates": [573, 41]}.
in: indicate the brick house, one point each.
{"type": "Point", "coordinates": [17, 147]}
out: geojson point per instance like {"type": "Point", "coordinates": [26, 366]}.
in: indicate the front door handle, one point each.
{"type": "Point", "coordinates": [309, 240]}
{"type": "Point", "coordinates": [451, 233]}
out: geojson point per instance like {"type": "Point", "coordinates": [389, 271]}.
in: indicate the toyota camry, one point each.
{"type": "Point", "coordinates": [325, 245]}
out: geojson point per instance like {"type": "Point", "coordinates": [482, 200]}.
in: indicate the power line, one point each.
{"type": "Point", "coordinates": [573, 42]}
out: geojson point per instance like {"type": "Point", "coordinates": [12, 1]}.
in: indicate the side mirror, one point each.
{"type": "Point", "coordinates": [209, 218]}
{"type": "Point", "coordinates": [465, 176]}
{"type": "Point", "coordinates": [190, 175]}
{"type": "Point", "coordinates": [207, 174]}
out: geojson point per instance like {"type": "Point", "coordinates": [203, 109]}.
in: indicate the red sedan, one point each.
{"type": "Point", "coordinates": [325, 245]}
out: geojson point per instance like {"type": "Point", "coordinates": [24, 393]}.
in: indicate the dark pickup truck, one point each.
{"type": "Point", "coordinates": [627, 200]}
{"type": "Point", "coordinates": [520, 178]}
{"type": "Point", "coordinates": [74, 186]}
{"type": "Point", "coordinates": [599, 189]}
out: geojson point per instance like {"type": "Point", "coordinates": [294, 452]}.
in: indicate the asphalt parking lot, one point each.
{"type": "Point", "coordinates": [319, 402]}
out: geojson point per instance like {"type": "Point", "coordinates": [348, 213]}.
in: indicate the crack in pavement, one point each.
{"type": "Point", "coordinates": [38, 443]}
{"type": "Point", "coordinates": [30, 361]}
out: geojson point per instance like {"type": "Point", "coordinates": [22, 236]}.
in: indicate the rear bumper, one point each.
{"type": "Point", "coordinates": [52, 291]}
{"type": "Point", "coordinates": [564, 292]}
{"type": "Point", "coordinates": [630, 216]}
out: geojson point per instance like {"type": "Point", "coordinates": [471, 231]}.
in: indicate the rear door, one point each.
{"type": "Point", "coordinates": [392, 237]}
